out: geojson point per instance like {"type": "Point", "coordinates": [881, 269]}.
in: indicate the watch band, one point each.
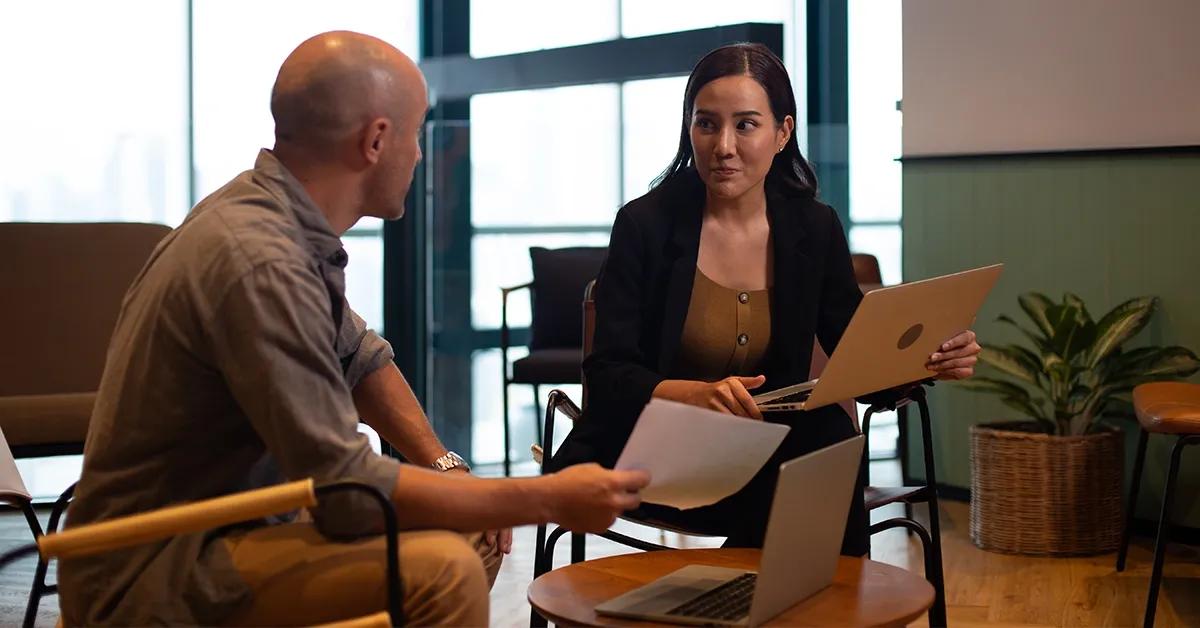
{"type": "Point", "coordinates": [450, 460]}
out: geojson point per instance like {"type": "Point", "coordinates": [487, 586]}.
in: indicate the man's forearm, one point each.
{"type": "Point", "coordinates": [387, 403]}
{"type": "Point", "coordinates": [428, 499]}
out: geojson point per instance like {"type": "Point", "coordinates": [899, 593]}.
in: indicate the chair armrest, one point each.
{"type": "Point", "coordinates": [158, 524]}
{"type": "Point", "coordinates": [378, 620]}
{"type": "Point", "coordinates": [557, 401]}
{"type": "Point", "coordinates": [504, 292]}
{"type": "Point", "coordinates": [207, 514]}
{"type": "Point", "coordinates": [560, 402]}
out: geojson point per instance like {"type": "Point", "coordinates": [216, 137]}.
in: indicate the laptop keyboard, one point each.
{"type": "Point", "coordinates": [729, 601]}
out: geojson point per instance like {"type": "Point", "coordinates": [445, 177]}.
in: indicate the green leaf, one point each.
{"type": "Point", "coordinates": [1028, 409]}
{"type": "Point", "coordinates": [1041, 343]}
{"type": "Point", "coordinates": [1073, 331]}
{"type": "Point", "coordinates": [1119, 325]}
{"type": "Point", "coordinates": [1154, 364]}
{"type": "Point", "coordinates": [1035, 304]}
{"type": "Point", "coordinates": [1073, 300]}
{"type": "Point", "coordinates": [993, 386]}
{"type": "Point", "coordinates": [1011, 361]}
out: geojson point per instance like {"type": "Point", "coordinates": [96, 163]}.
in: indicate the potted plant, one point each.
{"type": "Point", "coordinates": [1050, 483]}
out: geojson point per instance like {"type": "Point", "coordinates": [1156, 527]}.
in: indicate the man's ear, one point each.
{"type": "Point", "coordinates": [374, 139]}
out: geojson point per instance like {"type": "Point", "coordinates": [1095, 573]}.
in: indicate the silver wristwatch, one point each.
{"type": "Point", "coordinates": [450, 460]}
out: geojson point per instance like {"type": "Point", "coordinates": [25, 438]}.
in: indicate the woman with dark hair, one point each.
{"type": "Point", "coordinates": [716, 283]}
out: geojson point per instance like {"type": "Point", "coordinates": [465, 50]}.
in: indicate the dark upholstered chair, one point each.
{"type": "Point", "coordinates": [63, 284]}
{"type": "Point", "coordinates": [556, 340]}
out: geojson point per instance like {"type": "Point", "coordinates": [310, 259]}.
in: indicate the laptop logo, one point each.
{"type": "Point", "coordinates": [910, 336]}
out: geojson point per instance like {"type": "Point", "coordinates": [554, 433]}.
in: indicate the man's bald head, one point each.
{"type": "Point", "coordinates": [335, 83]}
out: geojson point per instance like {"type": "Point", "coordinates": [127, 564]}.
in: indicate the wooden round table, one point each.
{"type": "Point", "coordinates": [863, 593]}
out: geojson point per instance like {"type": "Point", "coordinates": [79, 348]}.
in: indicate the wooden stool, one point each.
{"type": "Point", "coordinates": [1162, 408]}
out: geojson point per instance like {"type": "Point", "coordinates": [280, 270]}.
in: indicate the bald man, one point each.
{"type": "Point", "coordinates": [237, 363]}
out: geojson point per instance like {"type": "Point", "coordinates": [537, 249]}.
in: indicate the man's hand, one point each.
{"type": "Point", "coordinates": [500, 539]}
{"type": "Point", "coordinates": [730, 395]}
{"type": "Point", "coordinates": [589, 498]}
{"type": "Point", "coordinates": [956, 358]}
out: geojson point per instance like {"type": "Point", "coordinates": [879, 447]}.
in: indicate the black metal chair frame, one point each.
{"type": "Point", "coordinates": [1164, 520]}
{"type": "Point", "coordinates": [931, 543]}
{"type": "Point", "coordinates": [39, 587]}
{"type": "Point", "coordinates": [931, 538]}
{"type": "Point", "coordinates": [391, 536]}
{"type": "Point", "coordinates": [505, 344]}
{"type": "Point", "coordinates": [543, 550]}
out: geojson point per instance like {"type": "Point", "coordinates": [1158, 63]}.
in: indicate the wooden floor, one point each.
{"type": "Point", "coordinates": [983, 588]}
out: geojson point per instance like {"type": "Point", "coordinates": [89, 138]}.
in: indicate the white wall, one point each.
{"type": "Point", "coordinates": [988, 76]}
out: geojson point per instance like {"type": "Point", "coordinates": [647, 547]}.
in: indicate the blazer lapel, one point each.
{"type": "Point", "coordinates": [684, 247]}
{"type": "Point", "coordinates": [793, 283]}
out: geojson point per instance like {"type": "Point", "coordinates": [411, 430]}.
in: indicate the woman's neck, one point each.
{"type": "Point", "coordinates": [737, 213]}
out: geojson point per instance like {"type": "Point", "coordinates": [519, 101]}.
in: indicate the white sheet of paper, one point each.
{"type": "Point", "coordinates": [696, 457]}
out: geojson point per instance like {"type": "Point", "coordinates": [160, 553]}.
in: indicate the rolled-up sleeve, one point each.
{"type": "Point", "coordinates": [273, 340]}
{"type": "Point", "coordinates": [361, 350]}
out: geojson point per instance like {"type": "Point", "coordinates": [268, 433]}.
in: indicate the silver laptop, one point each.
{"type": "Point", "coordinates": [890, 337]}
{"type": "Point", "coordinates": [799, 557]}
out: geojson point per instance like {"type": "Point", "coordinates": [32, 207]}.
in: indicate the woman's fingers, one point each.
{"type": "Point", "coordinates": [960, 340]}
{"type": "Point", "coordinates": [729, 399]}
{"type": "Point", "coordinates": [749, 408]}
{"type": "Point", "coordinates": [946, 365]}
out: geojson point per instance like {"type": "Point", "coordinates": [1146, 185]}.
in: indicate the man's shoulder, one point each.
{"type": "Point", "coordinates": [246, 226]}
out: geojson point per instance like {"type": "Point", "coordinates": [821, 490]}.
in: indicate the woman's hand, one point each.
{"type": "Point", "coordinates": [730, 395]}
{"type": "Point", "coordinates": [956, 358]}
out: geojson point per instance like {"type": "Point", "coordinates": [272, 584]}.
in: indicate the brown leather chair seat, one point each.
{"type": "Point", "coordinates": [47, 419]}
{"type": "Point", "coordinates": [1168, 407]}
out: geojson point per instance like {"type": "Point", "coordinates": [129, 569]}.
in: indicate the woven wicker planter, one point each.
{"type": "Point", "coordinates": [1032, 493]}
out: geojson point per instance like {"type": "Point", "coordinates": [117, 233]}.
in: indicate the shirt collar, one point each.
{"type": "Point", "coordinates": [276, 178]}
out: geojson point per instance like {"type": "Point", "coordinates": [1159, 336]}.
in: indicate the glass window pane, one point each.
{"type": "Point", "coordinates": [503, 260]}
{"type": "Point", "coordinates": [653, 112]}
{"type": "Point", "coordinates": [364, 277]}
{"type": "Point", "coordinates": [874, 88]}
{"type": "Point", "coordinates": [882, 241]}
{"type": "Point", "coordinates": [237, 50]}
{"type": "Point", "coordinates": [500, 27]}
{"type": "Point", "coordinates": [95, 111]}
{"type": "Point", "coordinates": [640, 18]}
{"type": "Point", "coordinates": [546, 156]}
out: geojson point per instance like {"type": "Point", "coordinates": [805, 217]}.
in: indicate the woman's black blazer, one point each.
{"type": "Point", "coordinates": [645, 285]}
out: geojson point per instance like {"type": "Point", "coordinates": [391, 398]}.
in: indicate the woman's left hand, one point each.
{"type": "Point", "coordinates": [956, 358]}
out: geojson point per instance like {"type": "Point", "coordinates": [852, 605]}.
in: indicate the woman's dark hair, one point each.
{"type": "Point", "coordinates": [790, 172]}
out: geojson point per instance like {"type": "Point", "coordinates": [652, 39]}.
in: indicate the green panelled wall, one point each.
{"type": "Point", "coordinates": [1106, 227]}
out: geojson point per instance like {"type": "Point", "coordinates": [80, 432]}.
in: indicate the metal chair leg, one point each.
{"type": "Point", "coordinates": [39, 588]}
{"type": "Point", "coordinates": [577, 547]}
{"type": "Point", "coordinates": [1131, 505]}
{"type": "Point", "coordinates": [937, 613]}
{"type": "Point", "coordinates": [537, 415]}
{"type": "Point", "coordinates": [504, 414]}
{"type": "Point", "coordinates": [1164, 525]}
{"type": "Point", "coordinates": [540, 567]}
{"type": "Point", "coordinates": [864, 465]}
